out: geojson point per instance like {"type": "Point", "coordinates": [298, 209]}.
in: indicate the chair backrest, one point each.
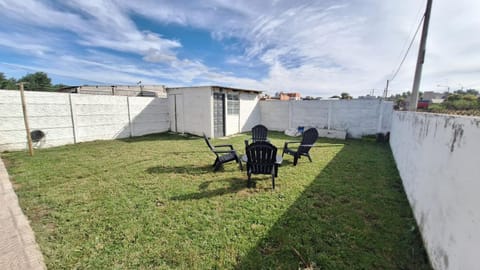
{"type": "Point", "coordinates": [261, 157]}
{"type": "Point", "coordinates": [259, 133]}
{"type": "Point", "coordinates": [208, 143]}
{"type": "Point", "coordinates": [308, 139]}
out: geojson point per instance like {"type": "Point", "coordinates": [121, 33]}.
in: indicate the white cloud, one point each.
{"type": "Point", "coordinates": [95, 23]}
{"type": "Point", "coordinates": [317, 48]}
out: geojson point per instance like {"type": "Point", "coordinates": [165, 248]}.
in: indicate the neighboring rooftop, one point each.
{"type": "Point", "coordinates": [218, 87]}
{"type": "Point", "coordinates": [118, 90]}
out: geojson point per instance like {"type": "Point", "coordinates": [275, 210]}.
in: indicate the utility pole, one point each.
{"type": "Point", "coordinates": [385, 93]}
{"type": "Point", "coordinates": [420, 58]}
{"type": "Point", "coordinates": [25, 118]}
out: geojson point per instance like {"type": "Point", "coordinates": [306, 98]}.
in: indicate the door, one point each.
{"type": "Point", "coordinates": [218, 115]}
{"type": "Point", "coordinates": [232, 118]}
{"type": "Point", "coordinates": [176, 112]}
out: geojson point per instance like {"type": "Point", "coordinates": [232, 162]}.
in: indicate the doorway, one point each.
{"type": "Point", "coordinates": [218, 115]}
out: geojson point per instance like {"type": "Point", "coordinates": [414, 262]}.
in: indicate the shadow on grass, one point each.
{"type": "Point", "coordinates": [165, 136]}
{"type": "Point", "coordinates": [234, 185]}
{"type": "Point", "coordinates": [194, 170]}
{"type": "Point", "coordinates": [354, 215]}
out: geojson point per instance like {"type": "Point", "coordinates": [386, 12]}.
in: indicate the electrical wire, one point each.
{"type": "Point", "coordinates": [408, 49]}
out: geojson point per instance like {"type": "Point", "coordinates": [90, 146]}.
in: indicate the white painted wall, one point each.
{"type": "Point", "coordinates": [309, 113]}
{"type": "Point", "coordinates": [49, 112]}
{"type": "Point", "coordinates": [438, 160]}
{"type": "Point", "coordinates": [148, 115]}
{"type": "Point", "coordinates": [357, 117]}
{"type": "Point", "coordinates": [275, 114]}
{"type": "Point", "coordinates": [231, 124]}
{"type": "Point", "coordinates": [70, 118]}
{"type": "Point", "coordinates": [197, 109]}
{"type": "Point", "coordinates": [249, 111]}
{"type": "Point", "coordinates": [100, 117]}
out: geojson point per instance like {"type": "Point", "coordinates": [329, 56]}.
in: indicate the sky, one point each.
{"type": "Point", "coordinates": [318, 48]}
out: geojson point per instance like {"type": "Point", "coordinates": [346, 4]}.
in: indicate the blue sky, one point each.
{"type": "Point", "coordinates": [318, 48]}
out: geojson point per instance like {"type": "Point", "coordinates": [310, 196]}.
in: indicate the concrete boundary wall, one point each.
{"type": "Point", "coordinates": [437, 157]}
{"type": "Point", "coordinates": [71, 118]}
{"type": "Point", "coordinates": [356, 117]}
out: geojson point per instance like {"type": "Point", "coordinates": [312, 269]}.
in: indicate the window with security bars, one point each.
{"type": "Point", "coordinates": [233, 104]}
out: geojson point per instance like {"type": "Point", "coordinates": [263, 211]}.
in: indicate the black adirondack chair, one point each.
{"type": "Point", "coordinates": [261, 159]}
{"type": "Point", "coordinates": [308, 139]}
{"type": "Point", "coordinates": [259, 133]}
{"type": "Point", "coordinates": [225, 155]}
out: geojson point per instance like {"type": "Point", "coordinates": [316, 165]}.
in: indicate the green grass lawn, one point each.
{"type": "Point", "coordinates": [154, 202]}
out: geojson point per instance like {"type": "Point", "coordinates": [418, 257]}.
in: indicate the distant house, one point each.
{"type": "Point", "coordinates": [118, 90]}
{"type": "Point", "coordinates": [431, 95]}
{"type": "Point", "coordinates": [216, 111]}
{"type": "Point", "coordinates": [290, 96]}
{"type": "Point", "coordinates": [437, 100]}
{"type": "Point", "coordinates": [367, 97]}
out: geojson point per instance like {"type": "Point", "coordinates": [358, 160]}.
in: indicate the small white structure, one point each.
{"type": "Point", "coordinates": [214, 110]}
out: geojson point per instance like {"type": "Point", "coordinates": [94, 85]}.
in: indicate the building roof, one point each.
{"type": "Point", "coordinates": [217, 86]}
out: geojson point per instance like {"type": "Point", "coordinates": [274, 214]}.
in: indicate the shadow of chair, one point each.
{"type": "Point", "coordinates": [308, 139]}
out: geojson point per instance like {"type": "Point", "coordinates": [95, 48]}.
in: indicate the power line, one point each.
{"type": "Point", "coordinates": [408, 49]}
{"type": "Point", "coordinates": [410, 33]}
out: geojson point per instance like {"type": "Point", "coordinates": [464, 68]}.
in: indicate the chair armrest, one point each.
{"type": "Point", "coordinates": [286, 144]}
{"type": "Point", "coordinates": [224, 151]}
{"type": "Point", "coordinates": [257, 140]}
{"type": "Point", "coordinates": [224, 145]}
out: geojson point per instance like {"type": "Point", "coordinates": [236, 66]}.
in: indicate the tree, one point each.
{"type": "Point", "coordinates": [472, 92]}
{"type": "Point", "coordinates": [345, 95]}
{"type": "Point", "coordinates": [462, 100]}
{"type": "Point", "coordinates": [308, 98]}
{"type": "Point", "coordinates": [38, 81]}
{"type": "Point", "coordinates": [5, 83]}
{"type": "Point", "coordinates": [55, 87]}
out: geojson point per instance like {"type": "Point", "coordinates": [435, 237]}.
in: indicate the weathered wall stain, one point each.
{"type": "Point", "coordinates": [448, 119]}
{"type": "Point", "coordinates": [441, 258]}
{"type": "Point", "coordinates": [457, 136]}
{"type": "Point", "coordinates": [476, 122]}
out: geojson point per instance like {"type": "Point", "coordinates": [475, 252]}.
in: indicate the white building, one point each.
{"type": "Point", "coordinates": [214, 110]}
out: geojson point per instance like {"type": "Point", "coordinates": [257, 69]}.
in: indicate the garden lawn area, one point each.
{"type": "Point", "coordinates": [155, 202]}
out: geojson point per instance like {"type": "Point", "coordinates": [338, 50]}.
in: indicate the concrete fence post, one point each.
{"type": "Point", "coordinates": [130, 125]}
{"type": "Point", "coordinates": [380, 117]}
{"type": "Point", "coordinates": [290, 114]}
{"type": "Point", "coordinates": [73, 116]}
{"type": "Point", "coordinates": [329, 116]}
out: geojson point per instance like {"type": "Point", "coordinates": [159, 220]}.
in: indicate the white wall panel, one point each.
{"type": "Point", "coordinates": [275, 114]}
{"type": "Point", "coordinates": [356, 117]}
{"type": "Point", "coordinates": [95, 117]}
{"type": "Point", "coordinates": [250, 114]}
{"type": "Point", "coordinates": [437, 157]}
{"type": "Point", "coordinates": [49, 112]}
{"type": "Point", "coordinates": [148, 115]}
